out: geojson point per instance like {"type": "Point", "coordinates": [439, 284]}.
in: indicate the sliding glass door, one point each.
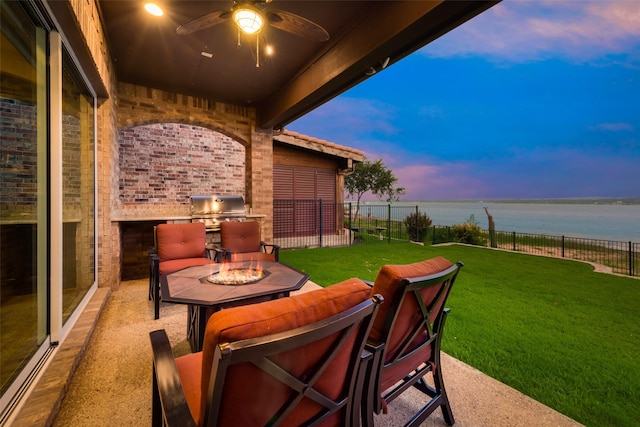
{"type": "Point", "coordinates": [23, 191]}
{"type": "Point", "coordinates": [47, 194]}
{"type": "Point", "coordinates": [78, 189]}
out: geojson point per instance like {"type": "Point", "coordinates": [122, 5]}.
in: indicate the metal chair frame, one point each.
{"type": "Point", "coordinates": [154, 273]}
{"type": "Point", "coordinates": [375, 399]}
{"type": "Point", "coordinates": [169, 403]}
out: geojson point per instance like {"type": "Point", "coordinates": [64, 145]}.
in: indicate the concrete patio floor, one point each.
{"type": "Point", "coordinates": [111, 385]}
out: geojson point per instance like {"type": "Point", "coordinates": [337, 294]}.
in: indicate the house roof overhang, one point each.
{"type": "Point", "coordinates": [345, 156]}
{"type": "Point", "coordinates": [300, 76]}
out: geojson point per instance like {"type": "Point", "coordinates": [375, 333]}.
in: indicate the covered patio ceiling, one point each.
{"type": "Point", "coordinates": [299, 76]}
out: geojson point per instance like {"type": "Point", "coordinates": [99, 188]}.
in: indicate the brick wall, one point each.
{"type": "Point", "coordinates": [164, 164]}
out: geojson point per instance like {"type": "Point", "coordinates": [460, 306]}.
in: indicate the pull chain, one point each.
{"type": "Point", "coordinates": [257, 48]}
{"type": "Point", "coordinates": [257, 51]}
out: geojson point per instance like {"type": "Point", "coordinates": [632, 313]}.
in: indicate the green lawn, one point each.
{"type": "Point", "coordinates": [551, 328]}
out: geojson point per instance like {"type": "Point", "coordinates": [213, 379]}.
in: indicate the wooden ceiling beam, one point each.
{"type": "Point", "coordinates": [393, 29]}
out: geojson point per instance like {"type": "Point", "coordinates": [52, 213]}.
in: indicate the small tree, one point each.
{"type": "Point", "coordinates": [469, 232]}
{"type": "Point", "coordinates": [374, 177]}
{"type": "Point", "coordinates": [417, 225]}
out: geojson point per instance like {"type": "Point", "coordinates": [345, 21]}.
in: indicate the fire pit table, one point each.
{"type": "Point", "coordinates": [202, 290]}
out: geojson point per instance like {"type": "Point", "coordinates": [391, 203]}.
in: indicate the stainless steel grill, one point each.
{"type": "Point", "coordinates": [213, 209]}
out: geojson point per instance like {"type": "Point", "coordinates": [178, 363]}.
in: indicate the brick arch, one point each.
{"type": "Point", "coordinates": [139, 105]}
{"type": "Point", "coordinates": [215, 127]}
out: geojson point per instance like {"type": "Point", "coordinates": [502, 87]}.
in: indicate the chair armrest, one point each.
{"type": "Point", "coordinates": [217, 252]}
{"type": "Point", "coordinates": [271, 249]}
{"type": "Point", "coordinates": [169, 400]}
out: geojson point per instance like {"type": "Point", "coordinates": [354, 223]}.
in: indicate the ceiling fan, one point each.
{"type": "Point", "coordinates": [252, 15]}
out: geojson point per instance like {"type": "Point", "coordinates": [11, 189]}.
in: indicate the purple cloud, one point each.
{"type": "Point", "coordinates": [437, 182]}
{"type": "Point", "coordinates": [524, 31]}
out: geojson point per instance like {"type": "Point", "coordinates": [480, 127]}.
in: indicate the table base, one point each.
{"type": "Point", "coordinates": [198, 316]}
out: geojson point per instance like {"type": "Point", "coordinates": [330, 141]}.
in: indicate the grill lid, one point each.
{"type": "Point", "coordinates": [214, 204]}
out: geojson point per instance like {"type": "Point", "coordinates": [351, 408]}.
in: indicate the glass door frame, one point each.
{"type": "Point", "coordinates": [49, 252]}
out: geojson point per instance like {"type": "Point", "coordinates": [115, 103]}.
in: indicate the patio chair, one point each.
{"type": "Point", "coordinates": [177, 246]}
{"type": "Point", "coordinates": [292, 361]}
{"type": "Point", "coordinates": [241, 241]}
{"type": "Point", "coordinates": [406, 335]}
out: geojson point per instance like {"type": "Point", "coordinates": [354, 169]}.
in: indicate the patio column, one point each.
{"type": "Point", "coordinates": [259, 178]}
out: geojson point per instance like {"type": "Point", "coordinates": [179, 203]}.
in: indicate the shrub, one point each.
{"type": "Point", "coordinates": [441, 234]}
{"type": "Point", "coordinates": [469, 232]}
{"type": "Point", "coordinates": [417, 225]}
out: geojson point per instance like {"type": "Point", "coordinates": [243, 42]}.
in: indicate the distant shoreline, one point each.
{"type": "Point", "coordinates": [593, 218]}
{"type": "Point", "coordinates": [559, 201]}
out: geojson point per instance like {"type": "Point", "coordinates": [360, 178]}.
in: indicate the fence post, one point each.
{"type": "Point", "coordinates": [417, 224]}
{"type": "Point", "coordinates": [562, 246]}
{"type": "Point", "coordinates": [320, 229]}
{"type": "Point", "coordinates": [514, 241]}
{"type": "Point", "coordinates": [389, 224]}
{"type": "Point", "coordinates": [350, 225]}
{"type": "Point", "coordinates": [630, 259]}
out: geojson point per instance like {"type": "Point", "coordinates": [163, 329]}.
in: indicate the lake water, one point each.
{"type": "Point", "coordinates": [595, 221]}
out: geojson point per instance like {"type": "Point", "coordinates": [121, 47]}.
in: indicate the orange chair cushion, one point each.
{"type": "Point", "coordinates": [177, 241]}
{"type": "Point", "coordinates": [258, 320]}
{"type": "Point", "coordinates": [173, 265]}
{"type": "Point", "coordinates": [240, 236]}
{"type": "Point", "coordinates": [252, 256]}
{"type": "Point", "coordinates": [387, 284]}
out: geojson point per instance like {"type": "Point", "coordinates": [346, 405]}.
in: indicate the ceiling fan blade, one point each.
{"type": "Point", "coordinates": [205, 21]}
{"type": "Point", "coordinates": [297, 25]}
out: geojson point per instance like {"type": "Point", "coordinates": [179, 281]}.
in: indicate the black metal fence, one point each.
{"type": "Point", "coordinates": [620, 257]}
{"type": "Point", "coordinates": [312, 223]}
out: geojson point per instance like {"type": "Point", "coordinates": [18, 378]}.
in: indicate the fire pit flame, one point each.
{"type": "Point", "coordinates": [236, 276]}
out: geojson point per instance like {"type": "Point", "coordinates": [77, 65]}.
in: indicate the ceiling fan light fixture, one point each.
{"type": "Point", "coordinates": [153, 9]}
{"type": "Point", "coordinates": [248, 19]}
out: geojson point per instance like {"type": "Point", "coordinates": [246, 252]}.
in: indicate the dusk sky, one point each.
{"type": "Point", "coordinates": [527, 100]}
